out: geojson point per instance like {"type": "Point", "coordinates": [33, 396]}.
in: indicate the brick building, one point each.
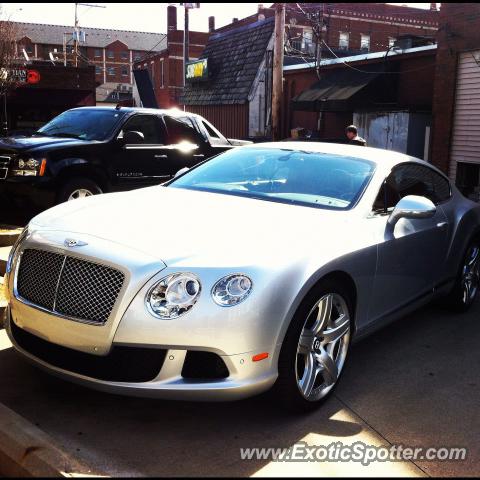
{"type": "Point", "coordinates": [348, 28]}
{"type": "Point", "coordinates": [165, 67]}
{"type": "Point", "coordinates": [456, 105]}
{"type": "Point", "coordinates": [111, 52]}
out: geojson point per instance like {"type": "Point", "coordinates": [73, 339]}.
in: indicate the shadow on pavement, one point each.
{"type": "Point", "coordinates": [415, 383]}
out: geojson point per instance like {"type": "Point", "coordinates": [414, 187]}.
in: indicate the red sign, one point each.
{"type": "Point", "coordinates": [33, 76]}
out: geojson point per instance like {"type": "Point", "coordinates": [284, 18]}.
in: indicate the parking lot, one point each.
{"type": "Point", "coordinates": [414, 383]}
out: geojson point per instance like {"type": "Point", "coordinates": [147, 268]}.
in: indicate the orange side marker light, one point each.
{"type": "Point", "coordinates": [260, 356]}
{"type": "Point", "coordinates": [43, 165]}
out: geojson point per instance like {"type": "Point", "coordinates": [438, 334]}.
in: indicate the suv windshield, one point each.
{"type": "Point", "coordinates": [283, 175]}
{"type": "Point", "coordinates": [85, 124]}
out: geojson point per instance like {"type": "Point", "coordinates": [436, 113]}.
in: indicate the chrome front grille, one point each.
{"type": "Point", "coordinates": [4, 164]}
{"type": "Point", "coordinates": [68, 286]}
{"type": "Point", "coordinates": [5, 161]}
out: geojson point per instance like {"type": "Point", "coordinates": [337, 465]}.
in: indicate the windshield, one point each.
{"type": "Point", "coordinates": [297, 177]}
{"type": "Point", "coordinates": [88, 124]}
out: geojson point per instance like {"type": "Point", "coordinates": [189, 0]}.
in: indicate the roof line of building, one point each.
{"type": "Point", "coordinates": [89, 28]}
{"type": "Point", "coordinates": [359, 58]}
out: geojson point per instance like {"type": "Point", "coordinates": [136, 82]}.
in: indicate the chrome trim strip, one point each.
{"type": "Point", "coordinates": [58, 284]}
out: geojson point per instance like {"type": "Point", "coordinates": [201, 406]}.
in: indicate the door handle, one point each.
{"type": "Point", "coordinates": [161, 156]}
{"type": "Point", "coordinates": [442, 225]}
{"type": "Point", "coordinates": [198, 155]}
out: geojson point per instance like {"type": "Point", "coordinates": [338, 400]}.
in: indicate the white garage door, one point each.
{"type": "Point", "coordinates": [466, 130]}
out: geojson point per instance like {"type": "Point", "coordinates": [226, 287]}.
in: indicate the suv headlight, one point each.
{"type": "Point", "coordinates": [173, 295]}
{"type": "Point", "coordinates": [30, 167]}
{"type": "Point", "coordinates": [231, 290]}
{"type": "Point", "coordinates": [13, 251]}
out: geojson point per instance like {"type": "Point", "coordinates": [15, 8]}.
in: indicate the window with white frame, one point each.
{"type": "Point", "coordinates": [111, 71]}
{"type": "Point", "coordinates": [364, 42]}
{"type": "Point", "coordinates": [391, 41]}
{"type": "Point", "coordinates": [125, 71]}
{"type": "Point", "coordinates": [343, 40]}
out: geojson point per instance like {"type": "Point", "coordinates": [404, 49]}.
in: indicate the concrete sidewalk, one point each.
{"type": "Point", "coordinates": [414, 383]}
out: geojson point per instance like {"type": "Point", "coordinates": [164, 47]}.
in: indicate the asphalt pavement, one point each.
{"type": "Point", "coordinates": [414, 383]}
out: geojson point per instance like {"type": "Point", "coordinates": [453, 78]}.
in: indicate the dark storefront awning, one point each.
{"type": "Point", "coordinates": [336, 90]}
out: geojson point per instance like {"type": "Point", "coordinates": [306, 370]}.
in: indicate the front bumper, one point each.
{"type": "Point", "coordinates": [246, 378]}
{"type": "Point", "coordinates": [37, 192]}
{"type": "Point", "coordinates": [234, 335]}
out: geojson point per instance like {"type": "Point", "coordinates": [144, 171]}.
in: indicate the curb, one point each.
{"type": "Point", "coordinates": [27, 451]}
{"type": "Point", "coordinates": [7, 239]}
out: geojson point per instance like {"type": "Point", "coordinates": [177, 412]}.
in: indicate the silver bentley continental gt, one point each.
{"type": "Point", "coordinates": [255, 269]}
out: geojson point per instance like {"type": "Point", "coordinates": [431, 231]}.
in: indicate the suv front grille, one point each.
{"type": "Point", "coordinates": [4, 164]}
{"type": "Point", "coordinates": [68, 286]}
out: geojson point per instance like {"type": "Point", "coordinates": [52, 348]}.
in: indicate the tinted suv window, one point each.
{"type": "Point", "coordinates": [149, 125]}
{"type": "Point", "coordinates": [180, 129]}
{"type": "Point", "coordinates": [412, 179]}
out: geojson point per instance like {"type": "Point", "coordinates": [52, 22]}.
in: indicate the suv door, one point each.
{"type": "Point", "coordinates": [145, 163]}
{"type": "Point", "coordinates": [411, 259]}
{"type": "Point", "coordinates": [185, 144]}
{"type": "Point", "coordinates": [217, 143]}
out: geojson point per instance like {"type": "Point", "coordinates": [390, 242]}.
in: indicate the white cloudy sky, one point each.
{"type": "Point", "coordinates": [148, 17]}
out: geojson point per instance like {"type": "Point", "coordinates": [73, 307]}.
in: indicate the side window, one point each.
{"type": "Point", "coordinates": [149, 125]}
{"type": "Point", "coordinates": [180, 129]}
{"type": "Point", "coordinates": [412, 179]}
{"type": "Point", "coordinates": [211, 132]}
{"type": "Point", "coordinates": [442, 187]}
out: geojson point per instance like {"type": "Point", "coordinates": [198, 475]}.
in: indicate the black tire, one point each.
{"type": "Point", "coordinates": [457, 300]}
{"type": "Point", "coordinates": [75, 184]}
{"type": "Point", "coordinates": [286, 389]}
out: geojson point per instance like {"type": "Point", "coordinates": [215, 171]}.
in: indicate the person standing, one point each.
{"type": "Point", "coordinates": [353, 138]}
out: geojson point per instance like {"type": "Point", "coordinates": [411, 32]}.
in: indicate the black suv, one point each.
{"type": "Point", "coordinates": [90, 150]}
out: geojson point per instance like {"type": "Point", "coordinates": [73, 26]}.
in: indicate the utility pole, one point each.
{"type": "Point", "coordinates": [277, 77]}
{"type": "Point", "coordinates": [75, 36]}
{"type": "Point", "coordinates": [76, 32]}
{"type": "Point", "coordinates": [185, 41]}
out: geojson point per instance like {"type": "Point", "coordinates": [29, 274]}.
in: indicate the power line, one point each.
{"type": "Point", "coordinates": [376, 73]}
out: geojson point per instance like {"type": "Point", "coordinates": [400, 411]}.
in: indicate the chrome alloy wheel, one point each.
{"type": "Point", "coordinates": [471, 274]}
{"type": "Point", "coordinates": [80, 193]}
{"type": "Point", "coordinates": [322, 347]}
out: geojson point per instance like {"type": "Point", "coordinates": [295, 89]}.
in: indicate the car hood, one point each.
{"type": "Point", "coordinates": [22, 144]}
{"type": "Point", "coordinates": [191, 228]}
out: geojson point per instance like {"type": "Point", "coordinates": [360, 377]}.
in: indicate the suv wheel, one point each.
{"type": "Point", "coordinates": [78, 188]}
{"type": "Point", "coordinates": [315, 348]}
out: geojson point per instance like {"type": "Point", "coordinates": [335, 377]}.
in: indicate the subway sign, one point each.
{"type": "Point", "coordinates": [197, 71]}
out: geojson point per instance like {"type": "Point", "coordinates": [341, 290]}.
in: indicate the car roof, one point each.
{"type": "Point", "coordinates": [156, 111]}
{"type": "Point", "coordinates": [379, 156]}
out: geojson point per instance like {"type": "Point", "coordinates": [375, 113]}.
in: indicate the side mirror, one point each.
{"type": "Point", "coordinates": [181, 172]}
{"type": "Point", "coordinates": [132, 137]}
{"type": "Point", "coordinates": [412, 206]}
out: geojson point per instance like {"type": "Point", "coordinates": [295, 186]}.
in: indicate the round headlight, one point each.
{"type": "Point", "coordinates": [32, 163]}
{"type": "Point", "coordinates": [231, 290]}
{"type": "Point", "coordinates": [173, 296]}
